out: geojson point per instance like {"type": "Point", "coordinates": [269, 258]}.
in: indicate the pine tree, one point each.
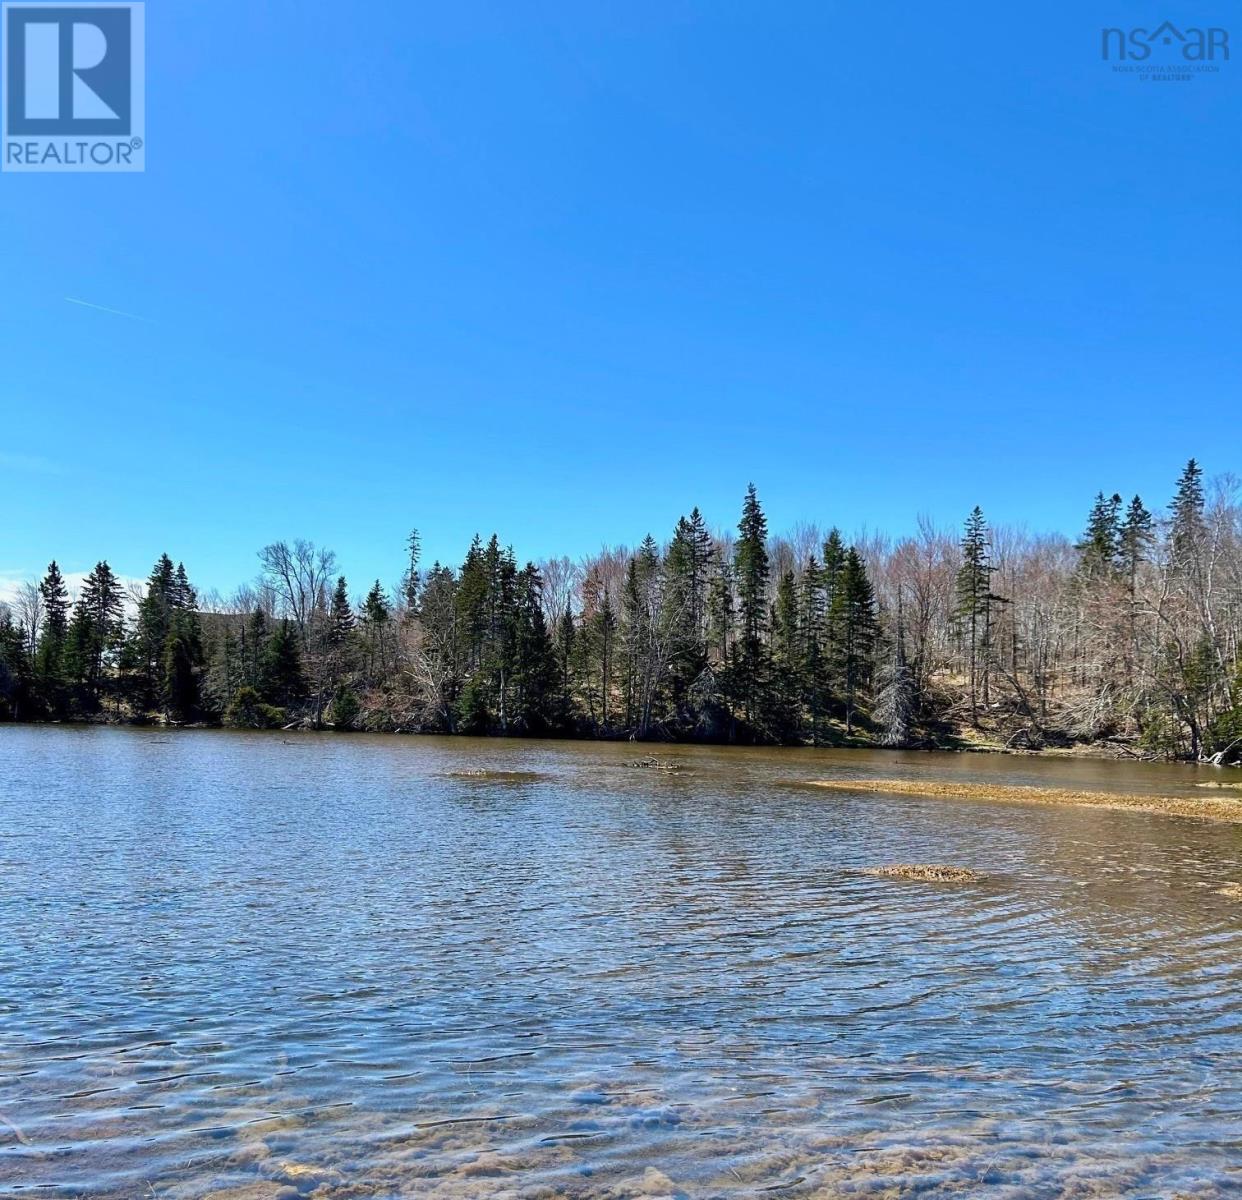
{"type": "Point", "coordinates": [751, 567]}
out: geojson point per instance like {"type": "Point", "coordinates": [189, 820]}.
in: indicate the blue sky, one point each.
{"type": "Point", "coordinates": [567, 270]}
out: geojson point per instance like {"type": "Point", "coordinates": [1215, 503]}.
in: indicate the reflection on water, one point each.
{"type": "Point", "coordinates": [449, 968]}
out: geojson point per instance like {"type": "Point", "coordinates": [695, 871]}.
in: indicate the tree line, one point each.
{"type": "Point", "coordinates": [1129, 635]}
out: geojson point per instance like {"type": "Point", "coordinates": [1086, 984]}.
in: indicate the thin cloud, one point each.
{"type": "Point", "coordinates": [116, 312]}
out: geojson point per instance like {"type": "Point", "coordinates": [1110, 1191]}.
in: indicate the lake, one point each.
{"type": "Point", "coordinates": [262, 966]}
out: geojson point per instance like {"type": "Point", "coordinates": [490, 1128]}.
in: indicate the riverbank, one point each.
{"type": "Point", "coordinates": [1226, 808]}
{"type": "Point", "coordinates": [959, 741]}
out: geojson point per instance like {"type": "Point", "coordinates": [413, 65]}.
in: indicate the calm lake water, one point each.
{"type": "Point", "coordinates": [262, 966]}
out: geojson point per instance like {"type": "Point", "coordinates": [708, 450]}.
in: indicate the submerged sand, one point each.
{"type": "Point", "coordinates": [926, 873]}
{"type": "Point", "coordinates": [1210, 808]}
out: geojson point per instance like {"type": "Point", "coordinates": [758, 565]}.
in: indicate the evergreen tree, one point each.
{"type": "Point", "coordinates": [1188, 527]}
{"type": "Point", "coordinates": [255, 637]}
{"type": "Point", "coordinates": [751, 567]}
{"type": "Point", "coordinates": [1101, 543]}
{"type": "Point", "coordinates": [145, 650]}
{"type": "Point", "coordinates": [282, 680]}
{"type": "Point", "coordinates": [687, 568]}
{"type": "Point", "coordinates": [535, 674]}
{"type": "Point", "coordinates": [859, 631]}
{"type": "Point", "coordinates": [95, 631]}
{"type": "Point", "coordinates": [814, 663]}
{"type": "Point", "coordinates": [50, 676]}
{"type": "Point", "coordinates": [832, 638]}
{"type": "Point", "coordinates": [410, 581]}
{"type": "Point", "coordinates": [974, 600]}
{"type": "Point", "coordinates": [1134, 540]}
{"type": "Point", "coordinates": [16, 683]}
{"type": "Point", "coordinates": [439, 656]}
{"type": "Point", "coordinates": [376, 614]}
{"type": "Point", "coordinates": [182, 662]}
{"type": "Point", "coordinates": [341, 615]}
{"type": "Point", "coordinates": [566, 634]}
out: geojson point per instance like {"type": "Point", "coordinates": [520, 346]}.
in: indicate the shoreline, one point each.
{"type": "Point", "coordinates": [1093, 751]}
{"type": "Point", "coordinates": [1224, 809]}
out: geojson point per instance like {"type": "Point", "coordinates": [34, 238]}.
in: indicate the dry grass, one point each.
{"type": "Point", "coordinates": [926, 872]}
{"type": "Point", "coordinates": [1211, 808]}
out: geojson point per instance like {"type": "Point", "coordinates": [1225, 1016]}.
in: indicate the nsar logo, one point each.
{"type": "Point", "coordinates": [73, 89]}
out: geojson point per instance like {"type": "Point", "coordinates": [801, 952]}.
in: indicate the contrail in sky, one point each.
{"type": "Point", "coordinates": [116, 312]}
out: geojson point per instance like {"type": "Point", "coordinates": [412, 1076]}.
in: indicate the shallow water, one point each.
{"type": "Point", "coordinates": [254, 966]}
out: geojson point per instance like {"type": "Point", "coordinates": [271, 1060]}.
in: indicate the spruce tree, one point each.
{"type": "Point", "coordinates": [1188, 527]}
{"type": "Point", "coordinates": [972, 613]}
{"type": "Point", "coordinates": [410, 581]}
{"type": "Point", "coordinates": [15, 669]}
{"type": "Point", "coordinates": [145, 651]}
{"type": "Point", "coordinates": [566, 634]}
{"type": "Point", "coordinates": [814, 672]}
{"type": "Point", "coordinates": [1134, 540]}
{"type": "Point", "coordinates": [95, 631]}
{"type": "Point", "coordinates": [282, 680]}
{"type": "Point", "coordinates": [1101, 543]}
{"type": "Point", "coordinates": [376, 614]}
{"type": "Point", "coordinates": [751, 567]}
{"type": "Point", "coordinates": [859, 633]}
{"type": "Point", "coordinates": [50, 666]}
{"type": "Point", "coordinates": [182, 662]}
{"type": "Point", "coordinates": [831, 576]}
{"type": "Point", "coordinates": [535, 674]}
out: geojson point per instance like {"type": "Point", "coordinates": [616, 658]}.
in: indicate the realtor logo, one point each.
{"type": "Point", "coordinates": [73, 87]}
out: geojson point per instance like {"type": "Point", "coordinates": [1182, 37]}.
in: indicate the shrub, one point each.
{"type": "Point", "coordinates": [247, 711]}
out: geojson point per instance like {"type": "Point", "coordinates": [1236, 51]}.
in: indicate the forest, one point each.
{"type": "Point", "coordinates": [1126, 639]}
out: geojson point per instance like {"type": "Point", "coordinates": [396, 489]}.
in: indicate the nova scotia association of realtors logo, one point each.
{"type": "Point", "coordinates": [1166, 53]}
{"type": "Point", "coordinates": [73, 87]}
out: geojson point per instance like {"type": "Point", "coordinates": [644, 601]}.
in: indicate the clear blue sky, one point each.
{"type": "Point", "coordinates": [566, 270]}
